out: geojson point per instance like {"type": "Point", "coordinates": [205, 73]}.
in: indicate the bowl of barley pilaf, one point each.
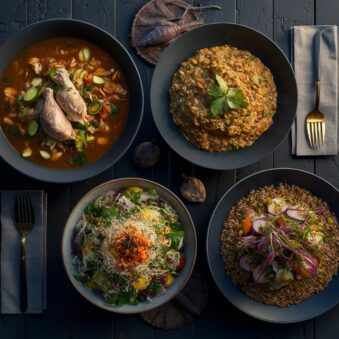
{"type": "Point", "coordinates": [223, 96]}
{"type": "Point", "coordinates": [272, 245]}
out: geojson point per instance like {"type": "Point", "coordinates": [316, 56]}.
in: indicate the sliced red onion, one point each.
{"type": "Point", "coordinates": [258, 223]}
{"type": "Point", "coordinates": [260, 275]}
{"type": "Point", "coordinates": [243, 262]}
{"type": "Point", "coordinates": [270, 258]}
{"type": "Point", "coordinates": [277, 206]}
{"type": "Point", "coordinates": [296, 213]}
{"type": "Point", "coordinates": [275, 266]}
{"type": "Point", "coordinates": [320, 212]}
{"type": "Point", "coordinates": [262, 244]}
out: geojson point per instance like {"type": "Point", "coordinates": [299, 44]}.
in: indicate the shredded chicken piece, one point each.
{"type": "Point", "coordinates": [36, 65]}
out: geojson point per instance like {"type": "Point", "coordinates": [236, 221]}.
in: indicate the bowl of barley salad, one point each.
{"type": "Point", "coordinates": [304, 297]}
{"type": "Point", "coordinates": [260, 99]}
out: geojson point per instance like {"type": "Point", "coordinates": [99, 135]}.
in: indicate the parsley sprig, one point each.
{"type": "Point", "coordinates": [225, 98]}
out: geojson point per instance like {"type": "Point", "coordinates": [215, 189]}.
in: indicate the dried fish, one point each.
{"type": "Point", "coordinates": [166, 33]}
{"type": "Point", "coordinates": [160, 22]}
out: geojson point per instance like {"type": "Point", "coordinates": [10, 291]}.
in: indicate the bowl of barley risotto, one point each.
{"type": "Point", "coordinates": [223, 96]}
{"type": "Point", "coordinates": [272, 245]}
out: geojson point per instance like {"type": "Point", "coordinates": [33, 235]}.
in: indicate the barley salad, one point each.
{"type": "Point", "coordinates": [128, 246]}
{"type": "Point", "coordinates": [280, 244]}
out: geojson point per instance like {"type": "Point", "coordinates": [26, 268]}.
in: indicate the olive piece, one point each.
{"type": "Point", "coordinates": [193, 190]}
{"type": "Point", "coordinates": [146, 154]}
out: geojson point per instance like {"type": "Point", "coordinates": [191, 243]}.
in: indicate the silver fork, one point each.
{"type": "Point", "coordinates": [24, 219]}
{"type": "Point", "coordinates": [315, 120]}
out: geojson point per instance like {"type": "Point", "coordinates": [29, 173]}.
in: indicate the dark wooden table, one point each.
{"type": "Point", "coordinates": [70, 316]}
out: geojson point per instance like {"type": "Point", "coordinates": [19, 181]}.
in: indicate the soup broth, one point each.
{"type": "Point", "coordinates": [103, 96]}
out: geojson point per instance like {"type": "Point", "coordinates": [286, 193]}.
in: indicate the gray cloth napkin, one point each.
{"type": "Point", "coordinates": [35, 256]}
{"type": "Point", "coordinates": [302, 39]}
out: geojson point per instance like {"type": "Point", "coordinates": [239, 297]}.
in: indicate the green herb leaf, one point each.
{"type": "Point", "coordinates": [225, 98]}
{"type": "Point", "coordinates": [236, 98]}
{"type": "Point", "coordinates": [215, 91]}
{"type": "Point", "coordinates": [222, 83]}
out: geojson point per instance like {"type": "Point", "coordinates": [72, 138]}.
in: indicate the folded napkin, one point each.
{"type": "Point", "coordinates": [303, 60]}
{"type": "Point", "coordinates": [35, 256]}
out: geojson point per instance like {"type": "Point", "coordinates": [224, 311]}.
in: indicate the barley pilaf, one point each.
{"type": "Point", "coordinates": [280, 244]}
{"type": "Point", "coordinates": [223, 98]}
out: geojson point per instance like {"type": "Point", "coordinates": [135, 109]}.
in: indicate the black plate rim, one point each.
{"type": "Point", "coordinates": [210, 265]}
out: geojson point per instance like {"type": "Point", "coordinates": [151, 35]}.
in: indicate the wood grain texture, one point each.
{"type": "Point", "coordinates": [326, 14]}
{"type": "Point", "coordinates": [257, 14]}
{"type": "Point", "coordinates": [288, 13]}
{"type": "Point", "coordinates": [84, 314]}
{"type": "Point", "coordinates": [68, 314]}
{"type": "Point", "coordinates": [326, 326]}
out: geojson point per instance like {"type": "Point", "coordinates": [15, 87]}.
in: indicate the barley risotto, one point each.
{"type": "Point", "coordinates": [223, 98]}
{"type": "Point", "coordinates": [280, 244]}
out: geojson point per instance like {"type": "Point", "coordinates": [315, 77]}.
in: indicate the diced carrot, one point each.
{"type": "Point", "coordinates": [88, 79]}
{"type": "Point", "coordinates": [280, 221]}
{"type": "Point", "coordinates": [304, 272]}
{"type": "Point", "coordinates": [104, 112]}
{"type": "Point", "coordinates": [246, 224]}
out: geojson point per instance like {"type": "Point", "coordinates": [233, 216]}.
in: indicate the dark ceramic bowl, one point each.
{"type": "Point", "coordinates": [241, 37]}
{"type": "Point", "coordinates": [309, 308]}
{"type": "Point", "coordinates": [74, 28]}
{"type": "Point", "coordinates": [190, 245]}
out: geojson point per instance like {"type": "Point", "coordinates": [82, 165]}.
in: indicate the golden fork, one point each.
{"type": "Point", "coordinates": [315, 120]}
{"type": "Point", "coordinates": [24, 219]}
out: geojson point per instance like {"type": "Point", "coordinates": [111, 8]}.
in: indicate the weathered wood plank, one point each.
{"type": "Point", "coordinates": [326, 326]}
{"type": "Point", "coordinates": [133, 326]}
{"type": "Point", "coordinates": [288, 13]}
{"type": "Point", "coordinates": [257, 14]}
{"type": "Point", "coordinates": [12, 19]}
{"type": "Point", "coordinates": [44, 9]}
{"type": "Point", "coordinates": [57, 318]}
{"type": "Point", "coordinates": [126, 167]}
{"type": "Point", "coordinates": [100, 13]}
{"type": "Point", "coordinates": [328, 167]}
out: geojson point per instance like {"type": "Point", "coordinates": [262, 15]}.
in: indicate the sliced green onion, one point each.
{"type": "Point", "coordinates": [98, 80]}
{"type": "Point", "coordinates": [94, 107]}
{"type": "Point", "coordinates": [84, 55]}
{"type": "Point", "coordinates": [32, 128]}
{"type": "Point", "coordinates": [52, 73]}
{"type": "Point", "coordinates": [32, 94]}
{"type": "Point", "coordinates": [114, 110]}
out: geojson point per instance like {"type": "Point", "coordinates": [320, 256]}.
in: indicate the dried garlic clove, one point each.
{"type": "Point", "coordinates": [44, 154]}
{"type": "Point", "coordinates": [27, 153]}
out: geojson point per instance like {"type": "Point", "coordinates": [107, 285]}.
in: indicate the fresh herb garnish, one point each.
{"type": "Point", "coordinates": [225, 98]}
{"type": "Point", "coordinates": [81, 140]}
{"type": "Point", "coordinates": [80, 159]}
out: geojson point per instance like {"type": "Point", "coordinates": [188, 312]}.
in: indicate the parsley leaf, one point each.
{"type": "Point", "coordinates": [225, 98]}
